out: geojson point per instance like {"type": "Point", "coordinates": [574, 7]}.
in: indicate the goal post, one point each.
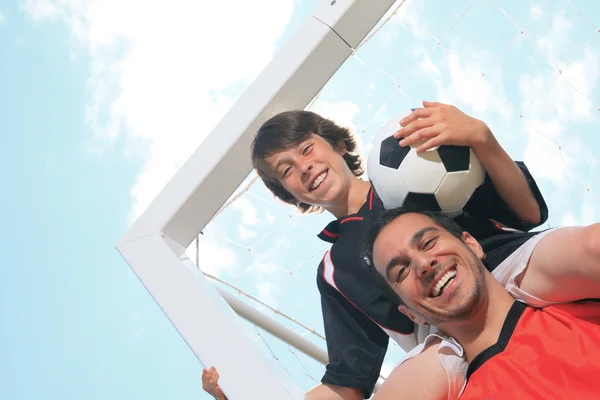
{"type": "Point", "coordinates": [154, 246]}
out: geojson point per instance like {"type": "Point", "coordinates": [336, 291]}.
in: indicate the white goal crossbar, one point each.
{"type": "Point", "coordinates": [154, 247]}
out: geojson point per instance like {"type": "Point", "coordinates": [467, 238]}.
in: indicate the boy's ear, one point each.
{"type": "Point", "coordinates": [473, 244]}
{"type": "Point", "coordinates": [341, 147]}
{"type": "Point", "coordinates": [415, 318]}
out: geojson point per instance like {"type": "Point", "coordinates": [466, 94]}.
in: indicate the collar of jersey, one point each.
{"type": "Point", "coordinates": [331, 233]}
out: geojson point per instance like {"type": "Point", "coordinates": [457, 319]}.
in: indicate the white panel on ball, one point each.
{"type": "Point", "coordinates": [422, 173]}
{"type": "Point", "coordinates": [454, 193]}
{"type": "Point", "coordinates": [457, 187]}
{"type": "Point", "coordinates": [391, 198]}
{"type": "Point", "coordinates": [476, 171]}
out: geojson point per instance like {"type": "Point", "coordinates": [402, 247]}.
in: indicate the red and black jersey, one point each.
{"type": "Point", "coordinates": [358, 318]}
{"type": "Point", "coordinates": [547, 353]}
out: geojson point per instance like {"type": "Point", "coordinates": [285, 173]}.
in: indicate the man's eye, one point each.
{"type": "Point", "coordinates": [400, 274]}
{"type": "Point", "coordinates": [428, 243]}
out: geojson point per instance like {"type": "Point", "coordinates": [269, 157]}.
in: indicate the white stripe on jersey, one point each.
{"type": "Point", "coordinates": [406, 342]}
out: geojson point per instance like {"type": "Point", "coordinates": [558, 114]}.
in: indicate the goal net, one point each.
{"type": "Point", "coordinates": [529, 69]}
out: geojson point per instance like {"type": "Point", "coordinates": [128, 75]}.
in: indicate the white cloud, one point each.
{"type": "Point", "coordinates": [269, 217]}
{"type": "Point", "coordinates": [586, 213]}
{"type": "Point", "coordinates": [558, 40]}
{"type": "Point", "coordinates": [342, 113]}
{"type": "Point", "coordinates": [426, 65]}
{"type": "Point", "coordinates": [263, 267]}
{"type": "Point", "coordinates": [540, 153]}
{"type": "Point", "coordinates": [469, 85]}
{"type": "Point", "coordinates": [408, 16]}
{"type": "Point", "coordinates": [568, 220]}
{"type": "Point", "coordinates": [268, 293]}
{"type": "Point", "coordinates": [552, 104]}
{"type": "Point", "coordinates": [214, 257]}
{"type": "Point", "coordinates": [245, 233]}
{"type": "Point", "coordinates": [160, 69]}
{"type": "Point", "coordinates": [535, 12]}
{"type": "Point", "coordinates": [248, 210]}
{"type": "Point", "coordinates": [549, 104]}
{"type": "Point", "coordinates": [42, 9]}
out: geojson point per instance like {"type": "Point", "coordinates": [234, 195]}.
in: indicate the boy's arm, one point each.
{"type": "Point", "coordinates": [325, 391]}
{"type": "Point", "coordinates": [356, 347]}
{"type": "Point", "coordinates": [487, 203]}
{"type": "Point", "coordinates": [508, 179]}
{"type": "Point", "coordinates": [509, 194]}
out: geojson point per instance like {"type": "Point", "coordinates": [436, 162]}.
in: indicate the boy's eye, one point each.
{"type": "Point", "coordinates": [306, 148]}
{"type": "Point", "coordinates": [286, 172]}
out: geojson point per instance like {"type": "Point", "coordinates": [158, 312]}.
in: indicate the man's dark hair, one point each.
{"type": "Point", "coordinates": [287, 130]}
{"type": "Point", "coordinates": [383, 220]}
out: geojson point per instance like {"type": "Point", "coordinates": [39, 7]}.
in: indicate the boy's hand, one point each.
{"type": "Point", "coordinates": [210, 379]}
{"type": "Point", "coordinates": [441, 124]}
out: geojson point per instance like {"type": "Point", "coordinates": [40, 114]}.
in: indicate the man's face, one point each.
{"type": "Point", "coordinates": [438, 277]}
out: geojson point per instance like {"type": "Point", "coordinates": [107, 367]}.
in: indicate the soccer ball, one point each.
{"type": "Point", "coordinates": [440, 179]}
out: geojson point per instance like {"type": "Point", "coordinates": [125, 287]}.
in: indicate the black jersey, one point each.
{"type": "Point", "coordinates": [359, 319]}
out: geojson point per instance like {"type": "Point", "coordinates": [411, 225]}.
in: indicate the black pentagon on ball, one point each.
{"type": "Point", "coordinates": [455, 158]}
{"type": "Point", "coordinates": [422, 201]}
{"type": "Point", "coordinates": [391, 153]}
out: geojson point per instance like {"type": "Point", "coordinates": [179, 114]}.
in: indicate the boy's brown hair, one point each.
{"type": "Point", "coordinates": [289, 129]}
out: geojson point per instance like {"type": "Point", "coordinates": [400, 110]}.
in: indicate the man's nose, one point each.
{"type": "Point", "coordinates": [426, 265]}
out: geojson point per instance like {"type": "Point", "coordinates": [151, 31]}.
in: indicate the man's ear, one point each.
{"type": "Point", "coordinates": [415, 318]}
{"type": "Point", "coordinates": [473, 244]}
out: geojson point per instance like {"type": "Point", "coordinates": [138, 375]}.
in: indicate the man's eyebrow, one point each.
{"type": "Point", "coordinates": [418, 236]}
{"type": "Point", "coordinates": [414, 241]}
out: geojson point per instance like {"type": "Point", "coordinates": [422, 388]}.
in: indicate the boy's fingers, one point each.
{"type": "Point", "coordinates": [425, 133]}
{"type": "Point", "coordinates": [413, 127]}
{"type": "Point", "coordinates": [429, 144]}
{"type": "Point", "coordinates": [431, 104]}
{"type": "Point", "coordinates": [214, 379]}
{"type": "Point", "coordinates": [416, 114]}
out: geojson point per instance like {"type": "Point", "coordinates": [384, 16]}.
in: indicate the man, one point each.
{"type": "Point", "coordinates": [433, 271]}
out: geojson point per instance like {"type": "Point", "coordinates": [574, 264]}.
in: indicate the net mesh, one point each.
{"type": "Point", "coordinates": [528, 69]}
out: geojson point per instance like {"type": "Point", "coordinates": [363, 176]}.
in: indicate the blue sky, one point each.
{"type": "Point", "coordinates": [101, 102]}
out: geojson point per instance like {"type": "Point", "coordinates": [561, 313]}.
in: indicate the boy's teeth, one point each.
{"type": "Point", "coordinates": [318, 181]}
{"type": "Point", "coordinates": [437, 290]}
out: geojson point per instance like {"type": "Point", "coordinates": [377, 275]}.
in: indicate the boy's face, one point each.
{"type": "Point", "coordinates": [439, 278]}
{"type": "Point", "coordinates": [313, 172]}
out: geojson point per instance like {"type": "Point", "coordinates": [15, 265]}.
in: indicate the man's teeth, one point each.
{"type": "Point", "coordinates": [318, 181]}
{"type": "Point", "coordinates": [448, 276]}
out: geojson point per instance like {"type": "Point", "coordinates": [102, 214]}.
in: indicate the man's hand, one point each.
{"type": "Point", "coordinates": [441, 124]}
{"type": "Point", "coordinates": [210, 383]}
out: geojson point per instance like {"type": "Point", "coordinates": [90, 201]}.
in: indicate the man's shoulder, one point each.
{"type": "Point", "coordinates": [582, 313]}
{"type": "Point", "coordinates": [549, 349]}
